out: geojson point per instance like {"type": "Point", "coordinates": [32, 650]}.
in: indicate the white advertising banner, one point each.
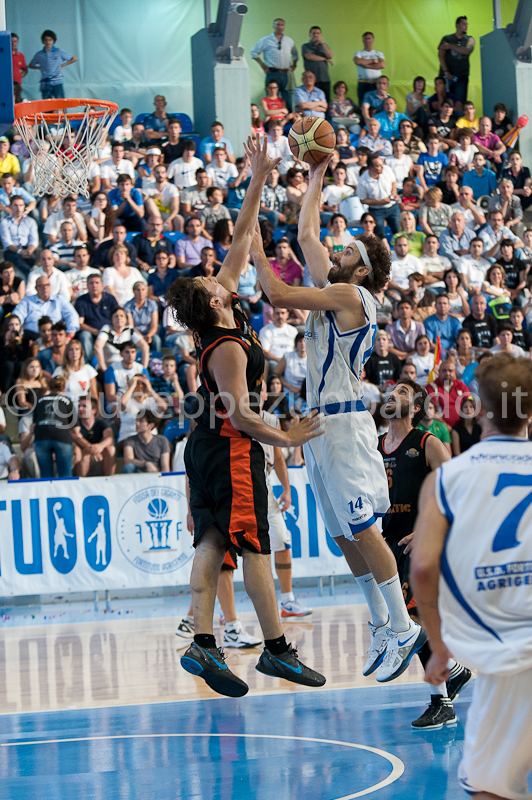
{"type": "Point", "coordinates": [126, 532]}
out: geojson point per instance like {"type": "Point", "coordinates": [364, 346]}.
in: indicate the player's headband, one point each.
{"type": "Point", "coordinates": [361, 247]}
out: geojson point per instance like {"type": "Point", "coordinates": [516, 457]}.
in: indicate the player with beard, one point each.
{"type": "Point", "coordinates": [344, 467]}
{"type": "Point", "coordinates": [409, 455]}
{"type": "Point", "coordinates": [224, 460]}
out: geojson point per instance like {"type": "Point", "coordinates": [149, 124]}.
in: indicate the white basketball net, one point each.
{"type": "Point", "coordinates": [61, 154]}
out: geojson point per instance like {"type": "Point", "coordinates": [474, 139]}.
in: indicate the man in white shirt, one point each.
{"type": "Point", "coordinates": [278, 337]}
{"type": "Point", "coordinates": [9, 463]}
{"type": "Point", "coordinates": [78, 276]}
{"type": "Point", "coordinates": [473, 215]}
{"type": "Point", "coordinates": [278, 146]}
{"type": "Point", "coordinates": [494, 232]}
{"type": "Point", "coordinates": [377, 188]}
{"type": "Point", "coordinates": [118, 376]}
{"type": "Point", "coordinates": [115, 166]}
{"type": "Point", "coordinates": [279, 56]}
{"type": "Point", "coordinates": [400, 163]}
{"type": "Point", "coordinates": [433, 264]}
{"type": "Point", "coordinates": [183, 170]}
{"type": "Point", "coordinates": [221, 171]}
{"type": "Point", "coordinates": [333, 194]}
{"type": "Point", "coordinates": [473, 267]}
{"type": "Point", "coordinates": [161, 199]}
{"type": "Point", "coordinates": [403, 265]}
{"type": "Point", "coordinates": [52, 227]}
{"type": "Point", "coordinates": [58, 281]}
{"type": "Point", "coordinates": [369, 63]}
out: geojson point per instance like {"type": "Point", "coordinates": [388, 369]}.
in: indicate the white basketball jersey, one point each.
{"type": "Point", "coordinates": [334, 359]}
{"type": "Point", "coordinates": [273, 422]}
{"type": "Point", "coordinates": [486, 567]}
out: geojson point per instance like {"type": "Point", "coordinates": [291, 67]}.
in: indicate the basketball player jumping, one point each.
{"type": "Point", "coordinates": [471, 570]}
{"type": "Point", "coordinates": [224, 460]}
{"type": "Point", "coordinates": [409, 455]}
{"type": "Point", "coordinates": [344, 466]}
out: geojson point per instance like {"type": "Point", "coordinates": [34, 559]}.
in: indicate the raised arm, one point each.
{"type": "Point", "coordinates": [261, 165]}
{"type": "Point", "coordinates": [316, 256]}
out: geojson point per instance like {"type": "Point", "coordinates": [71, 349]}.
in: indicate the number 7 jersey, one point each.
{"type": "Point", "coordinates": [485, 591]}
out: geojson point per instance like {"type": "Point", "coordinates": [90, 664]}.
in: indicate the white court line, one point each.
{"type": "Point", "coordinates": [397, 765]}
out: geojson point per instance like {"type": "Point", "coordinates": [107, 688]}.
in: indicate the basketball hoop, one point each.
{"type": "Point", "coordinates": [63, 144]}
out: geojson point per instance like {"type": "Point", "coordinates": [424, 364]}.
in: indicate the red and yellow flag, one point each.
{"type": "Point", "coordinates": [437, 360]}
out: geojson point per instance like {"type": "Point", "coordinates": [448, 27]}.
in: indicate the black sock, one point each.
{"type": "Point", "coordinates": [205, 640]}
{"type": "Point", "coordinates": [276, 646]}
{"type": "Point", "coordinates": [424, 654]}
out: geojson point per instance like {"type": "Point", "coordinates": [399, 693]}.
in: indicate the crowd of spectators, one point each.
{"type": "Point", "coordinates": [83, 281]}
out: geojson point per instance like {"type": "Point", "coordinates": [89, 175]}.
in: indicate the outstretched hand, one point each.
{"type": "Point", "coordinates": [308, 428]}
{"type": "Point", "coordinates": [319, 169]}
{"type": "Point", "coordinates": [257, 152]}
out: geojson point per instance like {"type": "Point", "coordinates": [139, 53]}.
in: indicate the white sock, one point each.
{"type": "Point", "coordinates": [287, 597]}
{"type": "Point", "coordinates": [190, 618]}
{"type": "Point", "coordinates": [230, 626]}
{"type": "Point", "coordinates": [374, 599]}
{"type": "Point", "coordinates": [454, 666]}
{"type": "Point", "coordinates": [393, 596]}
{"type": "Point", "coordinates": [440, 689]}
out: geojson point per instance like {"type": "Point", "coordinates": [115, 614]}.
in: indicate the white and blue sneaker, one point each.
{"type": "Point", "coordinates": [292, 608]}
{"type": "Point", "coordinates": [236, 636]}
{"type": "Point", "coordinates": [400, 651]}
{"type": "Point", "coordinates": [377, 649]}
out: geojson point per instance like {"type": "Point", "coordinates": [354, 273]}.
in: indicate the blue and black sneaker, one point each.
{"type": "Point", "coordinates": [288, 666]}
{"type": "Point", "coordinates": [209, 663]}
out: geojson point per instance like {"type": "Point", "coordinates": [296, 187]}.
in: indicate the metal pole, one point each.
{"type": "Point", "coordinates": [497, 14]}
{"type": "Point", "coordinates": [3, 24]}
{"type": "Point", "coordinates": [207, 6]}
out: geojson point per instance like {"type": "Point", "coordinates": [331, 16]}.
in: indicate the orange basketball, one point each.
{"type": "Point", "coordinates": [312, 139]}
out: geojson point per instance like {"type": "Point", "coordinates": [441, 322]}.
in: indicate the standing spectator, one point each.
{"type": "Point", "coordinates": [95, 310]}
{"type": "Point", "coordinates": [446, 391]}
{"type": "Point", "coordinates": [373, 101]}
{"type": "Point", "coordinates": [19, 236]}
{"type": "Point", "coordinates": [404, 332]}
{"type": "Point", "coordinates": [278, 337]}
{"type": "Point", "coordinates": [53, 357]}
{"type": "Point", "coordinates": [162, 199]}
{"type": "Point", "coordinates": [390, 118]}
{"type": "Point", "coordinates": [151, 242]}
{"type": "Point", "coordinates": [100, 256]}
{"type": "Point", "coordinates": [317, 56]}
{"type": "Point", "coordinates": [93, 440]}
{"type": "Point", "coordinates": [20, 69]}
{"type": "Point", "coordinates": [466, 205]}
{"type": "Point", "coordinates": [472, 267]}
{"type": "Point", "coordinates": [442, 324]}
{"type": "Point", "coordinates": [119, 279]}
{"type": "Point", "coordinates": [146, 451]}
{"type": "Point", "coordinates": [455, 240]}
{"type": "Point", "coordinates": [127, 204]}
{"type": "Point", "coordinates": [369, 63]}
{"type": "Point", "coordinates": [173, 147]}
{"type": "Point", "coordinates": [453, 52]}
{"type": "Point", "coordinates": [183, 170]}
{"type": "Point", "coordinates": [115, 166]}
{"type": "Point", "coordinates": [78, 276]}
{"type": "Point", "coordinates": [44, 303]}
{"type": "Point", "coordinates": [308, 99]}
{"type": "Point", "coordinates": [373, 140]}
{"type": "Point", "coordinates": [143, 315]}
{"type": "Point", "coordinates": [489, 143]}
{"type": "Point", "coordinates": [51, 60]}
{"type": "Point", "coordinates": [80, 377]}
{"type": "Point", "coordinates": [280, 56]}
{"type": "Point", "coordinates": [188, 250]}
{"type": "Point", "coordinates": [156, 124]}
{"type": "Point", "coordinates": [216, 139]}
{"type": "Point", "coordinates": [430, 165]}
{"type": "Point", "coordinates": [9, 164]}
{"type": "Point", "coordinates": [382, 366]}
{"type": "Point", "coordinates": [194, 198]}
{"type": "Point", "coordinates": [494, 232]}
{"type": "Point", "coordinates": [481, 326]}
{"type": "Point", "coordinates": [508, 203]}
{"type": "Point", "coordinates": [377, 188]}
{"type": "Point", "coordinates": [483, 181]}
{"type": "Point", "coordinates": [520, 177]}
{"type": "Point", "coordinates": [63, 250]}
{"type": "Point", "coordinates": [220, 170]}
{"type": "Point", "coordinates": [53, 419]}
{"type": "Point", "coordinates": [52, 227]}
{"type": "Point", "coordinates": [58, 281]}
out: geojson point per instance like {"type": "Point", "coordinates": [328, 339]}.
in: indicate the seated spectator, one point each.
{"type": "Point", "coordinates": [78, 276]}
{"type": "Point", "coordinates": [295, 192]}
{"type": "Point", "coordinates": [161, 198]}
{"type": "Point", "coordinates": [19, 236]}
{"type": "Point", "coordinates": [107, 347]}
{"type": "Point", "coordinates": [408, 372]}
{"type": "Point", "coordinates": [449, 185]}
{"type": "Point", "coordinates": [277, 337]}
{"type": "Point", "coordinates": [183, 170]}
{"type": "Point", "coordinates": [156, 124]}
{"type": "Point", "coordinates": [143, 315]}
{"type": "Point", "coordinates": [508, 203]}
{"type": "Point", "coordinates": [348, 153]}
{"type": "Point", "coordinates": [442, 125]}
{"type": "Point", "coordinates": [31, 378]}
{"type": "Point", "coordinates": [410, 196]}
{"type": "Point", "coordinates": [520, 177]}
{"type": "Point", "coordinates": [355, 170]}
{"type": "Point", "coordinates": [188, 250]}
{"type": "Point", "coordinates": [12, 289]}
{"type": "Point", "coordinates": [343, 110]}
{"type": "Point", "coordinates": [495, 283]}
{"type": "Point", "coordinates": [63, 250]}
{"type": "Point", "coordinates": [273, 106]}
{"type": "Point", "coordinates": [80, 377]}
{"type": "Point", "coordinates": [308, 99]}
{"type": "Point", "coordinates": [148, 244]}
{"type": "Point", "coordinates": [389, 118]}
{"type": "Point", "coordinates": [463, 353]}
{"type": "Point", "coordinates": [278, 146]}
{"type": "Point", "coordinates": [434, 216]}
{"type": "Point", "coordinates": [214, 140]}
{"type": "Point", "coordinates": [401, 164]}
{"type": "Point", "coordinates": [467, 431]}
{"type": "Point", "coordinates": [414, 146]}
{"type": "Point", "coordinates": [100, 256]}
{"type": "Point", "coordinates": [522, 337]}
{"type": "Point", "coordinates": [284, 265]}
{"type": "Point", "coordinates": [14, 350]}
{"type": "Point", "coordinates": [194, 198]}
{"type": "Point", "coordinates": [433, 264]}
{"type": "Point", "coordinates": [45, 334]}
{"type": "Point", "coordinates": [32, 307]}
{"type": "Point", "coordinates": [500, 121]}
{"type": "Point", "coordinates": [152, 159]}
{"type": "Point", "coordinates": [220, 170]}
{"type": "Point", "coordinates": [139, 398]}
{"type": "Point", "coordinates": [407, 225]}
{"type": "Point", "coordinates": [292, 368]}
{"type": "Point", "coordinates": [404, 332]}
{"type": "Point", "coordinates": [222, 236]}
{"type": "Point", "coordinates": [214, 211]}
{"type": "Point", "coordinates": [9, 164]}
{"type": "Point", "coordinates": [249, 291]}
{"type": "Point", "coordinates": [122, 369]}
{"type": "Point", "coordinates": [469, 119]}
{"type": "Point", "coordinates": [442, 324]}
{"type": "Point", "coordinates": [455, 240]}
{"type": "Point", "coordinates": [445, 392]}
{"type": "Point", "coordinates": [423, 300]}
{"type": "Point", "coordinates": [53, 356]}
{"type": "Point", "coordinates": [53, 419]}
{"type": "Point", "coordinates": [238, 187]}
{"type": "Point", "coordinates": [423, 359]}
{"type": "Point", "coordinates": [483, 181]}
{"type": "Point", "coordinates": [257, 128]}
{"type": "Point", "coordinates": [489, 143]}
{"type": "Point", "coordinates": [10, 189]}
{"type": "Point", "coordinates": [276, 401]}
{"type": "Point", "coordinates": [333, 194]}
{"type": "Point", "coordinates": [58, 282]}
{"type": "Point", "coordinates": [93, 441]}
{"type": "Point", "coordinates": [123, 132]}
{"type": "Point", "coordinates": [458, 298]}
{"type": "Point", "coordinates": [167, 385]}
{"type": "Point", "coordinates": [146, 451]}
{"type": "Point", "coordinates": [417, 99]}
{"type": "Point", "coordinates": [515, 270]}
{"type": "Point", "coordinates": [173, 147]}
{"type": "Point", "coordinates": [435, 426]}
{"type": "Point", "coordinates": [339, 237]}
{"type": "Point", "coordinates": [95, 309]}
{"type": "Point", "coordinates": [493, 233]}
{"type": "Point", "coordinates": [208, 265]}
{"type": "Point", "coordinates": [373, 101]}
{"type": "Point", "coordinates": [467, 206]}
{"type": "Point", "coordinates": [482, 326]}
{"type": "Point", "coordinates": [160, 279]}
{"type": "Point", "coordinates": [377, 188]}
{"type": "Point", "coordinates": [506, 344]}
{"type": "Point", "coordinates": [9, 463]}
{"type": "Point", "coordinates": [462, 156]}
{"type": "Point", "coordinates": [273, 199]}
{"type": "Point", "coordinates": [373, 140]}
{"type": "Point", "coordinates": [382, 366]}
{"type": "Point", "coordinates": [127, 204]}
{"type": "Point", "coordinates": [472, 267]}
{"type": "Point", "coordinates": [430, 165]}
{"type": "Point", "coordinates": [115, 166]}
{"type": "Point", "coordinates": [384, 307]}
{"type": "Point", "coordinates": [119, 279]}
{"type": "Point", "coordinates": [100, 221]}
{"type": "Point", "coordinates": [403, 265]}
{"type": "Point", "coordinates": [435, 101]}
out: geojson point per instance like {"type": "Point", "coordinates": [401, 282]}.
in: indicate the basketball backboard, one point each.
{"type": "Point", "coordinates": [7, 108]}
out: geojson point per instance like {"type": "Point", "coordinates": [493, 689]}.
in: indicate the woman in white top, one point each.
{"type": "Point", "coordinates": [495, 283]}
{"type": "Point", "coordinates": [457, 294]}
{"type": "Point", "coordinates": [463, 353]}
{"type": "Point", "coordinates": [80, 377]}
{"type": "Point", "coordinates": [416, 99]}
{"type": "Point", "coordinates": [100, 220]}
{"type": "Point", "coordinates": [106, 346]}
{"type": "Point", "coordinates": [119, 279]}
{"type": "Point", "coordinates": [293, 366]}
{"type": "Point", "coordinates": [138, 396]}
{"type": "Point", "coordinates": [423, 359]}
{"type": "Point", "coordinates": [339, 237]}
{"type": "Point", "coordinates": [506, 345]}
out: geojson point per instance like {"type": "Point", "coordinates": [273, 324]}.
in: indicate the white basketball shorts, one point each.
{"type": "Point", "coordinates": [346, 473]}
{"type": "Point", "coordinates": [279, 535]}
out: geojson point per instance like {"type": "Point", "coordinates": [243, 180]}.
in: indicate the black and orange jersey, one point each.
{"type": "Point", "coordinates": [214, 417]}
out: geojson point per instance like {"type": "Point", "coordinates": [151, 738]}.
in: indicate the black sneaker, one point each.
{"type": "Point", "coordinates": [439, 713]}
{"type": "Point", "coordinates": [458, 682]}
{"type": "Point", "coordinates": [209, 663]}
{"type": "Point", "coordinates": [288, 666]}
